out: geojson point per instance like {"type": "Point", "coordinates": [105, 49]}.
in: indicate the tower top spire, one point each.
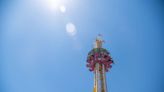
{"type": "Point", "coordinates": [99, 41]}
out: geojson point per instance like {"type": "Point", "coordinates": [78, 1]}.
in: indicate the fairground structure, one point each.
{"type": "Point", "coordinates": [99, 62]}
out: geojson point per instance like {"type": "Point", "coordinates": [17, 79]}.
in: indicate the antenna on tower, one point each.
{"type": "Point", "coordinates": [99, 41]}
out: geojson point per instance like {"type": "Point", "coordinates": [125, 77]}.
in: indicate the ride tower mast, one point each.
{"type": "Point", "coordinates": [99, 62]}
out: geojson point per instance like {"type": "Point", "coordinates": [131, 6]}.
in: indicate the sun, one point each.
{"type": "Point", "coordinates": [56, 5]}
{"type": "Point", "coordinates": [53, 4]}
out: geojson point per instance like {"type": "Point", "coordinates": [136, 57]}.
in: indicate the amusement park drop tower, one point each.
{"type": "Point", "coordinates": [99, 61]}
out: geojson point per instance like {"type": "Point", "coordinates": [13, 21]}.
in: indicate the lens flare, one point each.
{"type": "Point", "coordinates": [71, 29]}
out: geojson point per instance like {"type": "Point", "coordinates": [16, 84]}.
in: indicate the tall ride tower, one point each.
{"type": "Point", "coordinates": [99, 61]}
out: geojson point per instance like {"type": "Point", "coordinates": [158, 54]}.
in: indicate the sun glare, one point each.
{"type": "Point", "coordinates": [53, 4]}
{"type": "Point", "coordinates": [56, 5]}
{"type": "Point", "coordinates": [60, 5]}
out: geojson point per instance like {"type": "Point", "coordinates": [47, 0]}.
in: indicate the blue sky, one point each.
{"type": "Point", "coordinates": [39, 54]}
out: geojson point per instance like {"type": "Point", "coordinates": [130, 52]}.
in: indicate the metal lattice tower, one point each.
{"type": "Point", "coordinates": [99, 61]}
